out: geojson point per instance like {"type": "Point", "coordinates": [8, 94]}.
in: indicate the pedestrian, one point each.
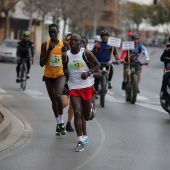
{"type": "Point", "coordinates": [54, 78]}
{"type": "Point", "coordinates": [80, 83]}
{"type": "Point", "coordinates": [65, 96]}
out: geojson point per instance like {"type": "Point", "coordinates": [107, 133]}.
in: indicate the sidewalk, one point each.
{"type": "Point", "coordinates": [11, 131]}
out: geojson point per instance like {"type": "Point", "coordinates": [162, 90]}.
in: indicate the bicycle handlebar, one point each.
{"type": "Point", "coordinates": [107, 63]}
{"type": "Point", "coordinates": [136, 63]}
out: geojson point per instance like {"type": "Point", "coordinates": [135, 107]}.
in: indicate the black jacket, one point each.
{"type": "Point", "coordinates": [165, 57]}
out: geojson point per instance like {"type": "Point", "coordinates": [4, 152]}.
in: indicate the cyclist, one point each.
{"type": "Point", "coordinates": [80, 82]}
{"type": "Point", "coordinates": [54, 78]}
{"type": "Point", "coordinates": [165, 57]}
{"type": "Point", "coordinates": [24, 47]}
{"type": "Point", "coordinates": [102, 52]}
{"type": "Point", "coordinates": [134, 58]}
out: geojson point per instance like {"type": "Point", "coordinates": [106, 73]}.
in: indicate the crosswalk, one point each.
{"type": "Point", "coordinates": [36, 94]}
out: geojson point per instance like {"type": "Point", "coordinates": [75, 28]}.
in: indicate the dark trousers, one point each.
{"type": "Point", "coordinates": [165, 81]}
{"type": "Point", "coordinates": [97, 80]}
{"type": "Point", "coordinates": [19, 65]}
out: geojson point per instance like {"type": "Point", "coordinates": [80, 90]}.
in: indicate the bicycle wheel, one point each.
{"type": "Point", "coordinates": [23, 79]}
{"type": "Point", "coordinates": [127, 91]}
{"type": "Point", "coordinates": [134, 88]}
{"type": "Point", "coordinates": [103, 90]}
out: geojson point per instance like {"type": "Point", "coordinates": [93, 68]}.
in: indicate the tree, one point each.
{"type": "Point", "coordinates": [5, 7]}
{"type": "Point", "coordinates": [160, 15]}
{"type": "Point", "coordinates": [135, 13]}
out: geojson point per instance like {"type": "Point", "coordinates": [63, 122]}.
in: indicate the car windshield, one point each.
{"type": "Point", "coordinates": [6, 43]}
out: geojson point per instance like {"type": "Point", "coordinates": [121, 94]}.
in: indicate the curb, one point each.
{"type": "Point", "coordinates": [6, 125]}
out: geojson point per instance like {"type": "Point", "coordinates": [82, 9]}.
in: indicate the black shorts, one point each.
{"type": "Point", "coordinates": [65, 90]}
{"type": "Point", "coordinates": [50, 80]}
{"type": "Point", "coordinates": [138, 66]}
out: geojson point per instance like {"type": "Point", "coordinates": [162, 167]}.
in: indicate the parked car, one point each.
{"type": "Point", "coordinates": [8, 49]}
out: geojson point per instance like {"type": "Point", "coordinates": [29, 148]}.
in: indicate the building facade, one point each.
{"type": "Point", "coordinates": [106, 17]}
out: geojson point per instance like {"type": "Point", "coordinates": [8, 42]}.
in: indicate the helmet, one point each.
{"type": "Point", "coordinates": [26, 33]}
{"type": "Point", "coordinates": [135, 36]}
{"type": "Point", "coordinates": [104, 32]}
{"type": "Point", "coordinates": [97, 38]}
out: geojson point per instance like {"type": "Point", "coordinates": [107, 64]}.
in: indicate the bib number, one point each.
{"type": "Point", "coordinates": [55, 60]}
{"type": "Point", "coordinates": [76, 65]}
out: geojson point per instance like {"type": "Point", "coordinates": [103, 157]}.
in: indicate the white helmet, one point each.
{"type": "Point", "coordinates": [97, 38]}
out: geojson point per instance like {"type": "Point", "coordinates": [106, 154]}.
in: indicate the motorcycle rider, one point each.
{"type": "Point", "coordinates": [165, 57]}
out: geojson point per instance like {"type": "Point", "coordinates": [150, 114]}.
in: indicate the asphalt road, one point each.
{"type": "Point", "coordinates": [122, 136]}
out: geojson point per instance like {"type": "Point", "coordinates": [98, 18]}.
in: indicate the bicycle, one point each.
{"type": "Point", "coordinates": [23, 74]}
{"type": "Point", "coordinates": [131, 89]}
{"type": "Point", "coordinates": [104, 81]}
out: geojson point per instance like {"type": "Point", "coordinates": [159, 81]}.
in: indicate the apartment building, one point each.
{"type": "Point", "coordinates": [107, 17]}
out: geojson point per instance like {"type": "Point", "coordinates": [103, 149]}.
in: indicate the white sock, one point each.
{"type": "Point", "coordinates": [57, 119]}
{"type": "Point", "coordinates": [60, 117]}
{"type": "Point", "coordinates": [80, 138]}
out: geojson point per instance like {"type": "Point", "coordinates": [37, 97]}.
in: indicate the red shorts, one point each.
{"type": "Point", "coordinates": [85, 93]}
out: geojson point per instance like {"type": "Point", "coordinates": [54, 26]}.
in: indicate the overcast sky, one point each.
{"type": "Point", "coordinates": [143, 1]}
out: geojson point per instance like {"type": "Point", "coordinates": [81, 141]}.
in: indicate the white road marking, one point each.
{"type": "Point", "coordinates": [2, 90]}
{"type": "Point", "coordinates": [154, 107]}
{"type": "Point", "coordinates": [33, 92]}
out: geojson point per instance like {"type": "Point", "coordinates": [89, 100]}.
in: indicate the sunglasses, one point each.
{"type": "Point", "coordinates": [26, 36]}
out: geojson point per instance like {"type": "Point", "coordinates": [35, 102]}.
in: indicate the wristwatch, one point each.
{"type": "Point", "coordinates": [89, 73]}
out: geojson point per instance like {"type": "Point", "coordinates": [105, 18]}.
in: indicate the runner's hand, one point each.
{"type": "Point", "coordinates": [84, 75]}
{"type": "Point", "coordinates": [66, 74]}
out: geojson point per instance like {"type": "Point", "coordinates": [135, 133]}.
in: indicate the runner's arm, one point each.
{"type": "Point", "coordinates": [44, 54]}
{"type": "Point", "coordinates": [91, 58]}
{"type": "Point", "coordinates": [65, 70]}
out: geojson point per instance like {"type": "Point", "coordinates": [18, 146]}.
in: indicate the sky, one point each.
{"type": "Point", "coordinates": [142, 1]}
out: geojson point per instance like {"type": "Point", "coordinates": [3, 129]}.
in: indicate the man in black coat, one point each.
{"type": "Point", "coordinates": [166, 59]}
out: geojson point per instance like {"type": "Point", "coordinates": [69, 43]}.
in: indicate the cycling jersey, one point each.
{"type": "Point", "coordinates": [24, 47]}
{"type": "Point", "coordinates": [102, 51]}
{"type": "Point", "coordinates": [135, 54]}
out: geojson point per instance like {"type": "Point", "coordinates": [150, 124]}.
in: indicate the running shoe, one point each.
{"type": "Point", "coordinates": [80, 147]}
{"type": "Point", "coordinates": [85, 139]}
{"type": "Point", "coordinates": [17, 79]}
{"type": "Point", "coordinates": [69, 128]}
{"type": "Point", "coordinates": [109, 86]}
{"type": "Point", "coordinates": [58, 132]}
{"type": "Point", "coordinates": [62, 129]}
{"type": "Point", "coordinates": [93, 112]}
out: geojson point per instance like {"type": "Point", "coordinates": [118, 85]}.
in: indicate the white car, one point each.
{"type": "Point", "coordinates": [8, 49]}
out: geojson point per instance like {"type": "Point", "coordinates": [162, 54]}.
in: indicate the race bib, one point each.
{"type": "Point", "coordinates": [55, 60]}
{"type": "Point", "coordinates": [76, 65]}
